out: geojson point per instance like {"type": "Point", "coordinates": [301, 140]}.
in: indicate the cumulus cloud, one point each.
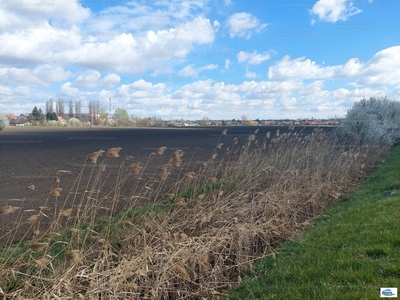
{"type": "Point", "coordinates": [23, 14]}
{"type": "Point", "coordinates": [382, 69]}
{"type": "Point", "coordinates": [299, 68]}
{"type": "Point", "coordinates": [40, 75]}
{"type": "Point", "coordinates": [191, 71]}
{"type": "Point", "coordinates": [68, 90]}
{"type": "Point", "coordinates": [110, 80]}
{"type": "Point", "coordinates": [252, 58]}
{"type": "Point", "coordinates": [141, 89]}
{"type": "Point", "coordinates": [352, 67]}
{"type": "Point", "coordinates": [242, 24]}
{"type": "Point", "coordinates": [135, 53]}
{"type": "Point", "coordinates": [92, 79]}
{"type": "Point", "coordinates": [250, 74]}
{"type": "Point", "coordinates": [333, 10]}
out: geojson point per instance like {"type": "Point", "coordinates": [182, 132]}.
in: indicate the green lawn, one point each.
{"type": "Point", "coordinates": [352, 252]}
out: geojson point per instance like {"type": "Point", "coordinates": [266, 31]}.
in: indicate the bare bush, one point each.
{"type": "Point", "coordinates": [74, 122]}
{"type": "Point", "coordinates": [3, 121]}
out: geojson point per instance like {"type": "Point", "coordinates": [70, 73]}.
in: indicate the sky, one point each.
{"type": "Point", "coordinates": [191, 59]}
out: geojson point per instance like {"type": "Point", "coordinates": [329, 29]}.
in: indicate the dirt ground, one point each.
{"type": "Point", "coordinates": [33, 156]}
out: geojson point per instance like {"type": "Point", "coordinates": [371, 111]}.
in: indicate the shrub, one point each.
{"type": "Point", "coordinates": [376, 120]}
{"type": "Point", "coordinates": [52, 123]}
{"type": "Point", "coordinates": [74, 122]}
{"type": "Point", "coordinates": [3, 121]}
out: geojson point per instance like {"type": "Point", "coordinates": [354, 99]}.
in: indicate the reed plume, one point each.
{"type": "Point", "coordinates": [113, 152]}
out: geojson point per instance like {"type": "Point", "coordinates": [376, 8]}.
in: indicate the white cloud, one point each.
{"type": "Point", "coordinates": [40, 75]}
{"type": "Point", "coordinates": [69, 91]}
{"type": "Point", "coordinates": [252, 58]}
{"type": "Point", "coordinates": [89, 79]}
{"type": "Point", "coordinates": [301, 68]}
{"type": "Point", "coordinates": [135, 16]}
{"type": "Point", "coordinates": [290, 98]}
{"type": "Point", "coordinates": [382, 69]}
{"type": "Point", "coordinates": [242, 24]}
{"type": "Point", "coordinates": [352, 67]}
{"type": "Point", "coordinates": [39, 44]}
{"type": "Point", "coordinates": [92, 79]}
{"type": "Point", "coordinates": [24, 14]}
{"type": "Point", "coordinates": [228, 2]}
{"type": "Point", "coordinates": [135, 54]}
{"type": "Point", "coordinates": [110, 80]}
{"type": "Point", "coordinates": [334, 10]}
{"type": "Point", "coordinates": [190, 71]}
{"type": "Point", "coordinates": [216, 25]}
{"type": "Point", "coordinates": [250, 74]}
{"type": "Point", "coordinates": [141, 90]}
{"type": "Point", "coordinates": [227, 63]}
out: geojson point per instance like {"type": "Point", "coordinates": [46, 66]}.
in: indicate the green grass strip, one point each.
{"type": "Point", "coordinates": [349, 254]}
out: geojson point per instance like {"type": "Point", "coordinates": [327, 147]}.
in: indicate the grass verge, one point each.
{"type": "Point", "coordinates": [350, 254]}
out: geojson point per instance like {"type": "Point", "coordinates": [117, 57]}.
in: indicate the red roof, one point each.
{"type": "Point", "coordinates": [61, 119]}
{"type": "Point", "coordinates": [12, 117]}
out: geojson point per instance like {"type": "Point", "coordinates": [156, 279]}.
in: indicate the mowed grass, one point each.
{"type": "Point", "coordinates": [352, 252]}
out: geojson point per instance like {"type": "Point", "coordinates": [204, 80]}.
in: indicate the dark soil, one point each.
{"type": "Point", "coordinates": [33, 156]}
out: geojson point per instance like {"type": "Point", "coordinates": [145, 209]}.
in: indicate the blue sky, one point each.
{"type": "Point", "coordinates": [220, 59]}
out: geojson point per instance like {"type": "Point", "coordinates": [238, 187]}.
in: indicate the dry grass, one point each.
{"type": "Point", "coordinates": [210, 220]}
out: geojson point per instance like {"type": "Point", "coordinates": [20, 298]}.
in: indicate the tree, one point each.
{"type": "Point", "coordinates": [60, 107]}
{"type": "Point", "coordinates": [41, 115]}
{"type": "Point", "coordinates": [71, 109]}
{"type": "Point", "coordinates": [204, 121]}
{"type": "Point", "coordinates": [51, 116]}
{"type": "Point", "coordinates": [122, 115]}
{"type": "Point", "coordinates": [94, 109]}
{"type": "Point", "coordinates": [373, 121]}
{"type": "Point", "coordinates": [78, 109]}
{"type": "Point", "coordinates": [35, 113]}
{"type": "Point", "coordinates": [49, 106]}
{"type": "Point", "coordinates": [103, 114]}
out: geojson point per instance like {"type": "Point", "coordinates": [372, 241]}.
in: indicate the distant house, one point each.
{"type": "Point", "coordinates": [12, 119]}
{"type": "Point", "coordinates": [23, 118]}
{"type": "Point", "coordinates": [313, 122]}
{"type": "Point", "coordinates": [269, 123]}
